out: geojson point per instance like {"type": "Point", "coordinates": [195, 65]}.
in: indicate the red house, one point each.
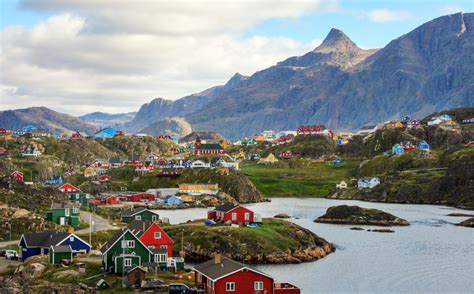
{"type": "Point", "coordinates": [236, 214]}
{"type": "Point", "coordinates": [17, 175]}
{"type": "Point", "coordinates": [152, 235]}
{"type": "Point", "coordinates": [111, 200]}
{"type": "Point", "coordinates": [77, 135]}
{"type": "Point", "coordinates": [140, 196]}
{"type": "Point", "coordinates": [224, 275]}
{"type": "Point", "coordinates": [68, 188]}
{"type": "Point", "coordinates": [104, 178]}
{"type": "Point", "coordinates": [286, 154]}
{"type": "Point", "coordinates": [207, 149]}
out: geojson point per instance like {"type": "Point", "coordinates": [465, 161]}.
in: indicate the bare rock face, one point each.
{"type": "Point", "coordinates": [355, 215]}
{"type": "Point", "coordinates": [467, 223]}
{"type": "Point", "coordinates": [32, 271]}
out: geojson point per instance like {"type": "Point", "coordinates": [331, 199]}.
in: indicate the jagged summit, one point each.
{"type": "Point", "coordinates": [336, 40]}
{"type": "Point", "coordinates": [235, 79]}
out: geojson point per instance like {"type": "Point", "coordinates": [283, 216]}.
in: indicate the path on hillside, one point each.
{"type": "Point", "coordinates": [100, 224]}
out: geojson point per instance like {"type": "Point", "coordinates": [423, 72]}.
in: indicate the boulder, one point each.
{"type": "Point", "coordinates": [282, 215]}
{"type": "Point", "coordinates": [33, 271]}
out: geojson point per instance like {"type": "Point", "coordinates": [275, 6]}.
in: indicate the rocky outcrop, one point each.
{"type": "Point", "coordinates": [467, 223]}
{"type": "Point", "coordinates": [356, 215]}
{"type": "Point", "coordinates": [282, 215]}
{"type": "Point", "coordinates": [177, 127]}
{"type": "Point", "coordinates": [282, 242]}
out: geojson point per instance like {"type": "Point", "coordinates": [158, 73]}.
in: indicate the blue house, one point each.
{"type": "Point", "coordinates": [105, 133]}
{"type": "Point", "coordinates": [368, 183]}
{"type": "Point", "coordinates": [28, 128]}
{"type": "Point", "coordinates": [187, 164]}
{"type": "Point", "coordinates": [54, 181]}
{"type": "Point", "coordinates": [337, 161]}
{"type": "Point", "coordinates": [254, 157]}
{"type": "Point", "coordinates": [339, 142]}
{"type": "Point", "coordinates": [423, 146]}
{"type": "Point", "coordinates": [397, 149]}
{"type": "Point", "coordinates": [174, 200]}
{"type": "Point", "coordinates": [39, 243]}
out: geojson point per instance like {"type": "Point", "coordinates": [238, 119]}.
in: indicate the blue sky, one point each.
{"type": "Point", "coordinates": [80, 56]}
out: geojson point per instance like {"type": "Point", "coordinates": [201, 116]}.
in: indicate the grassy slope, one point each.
{"type": "Point", "coordinates": [300, 177]}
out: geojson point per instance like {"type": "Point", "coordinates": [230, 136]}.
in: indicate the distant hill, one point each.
{"type": "Point", "coordinates": [168, 126]}
{"type": "Point", "coordinates": [103, 119]}
{"type": "Point", "coordinates": [45, 118]}
{"type": "Point", "coordinates": [209, 137]}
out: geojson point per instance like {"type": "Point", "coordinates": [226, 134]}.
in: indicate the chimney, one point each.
{"type": "Point", "coordinates": [143, 226]}
{"type": "Point", "coordinates": [217, 259]}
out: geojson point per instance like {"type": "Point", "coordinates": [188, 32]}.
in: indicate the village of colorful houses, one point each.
{"type": "Point", "coordinates": [142, 245]}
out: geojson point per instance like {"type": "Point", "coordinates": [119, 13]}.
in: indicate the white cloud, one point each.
{"type": "Point", "coordinates": [451, 9]}
{"type": "Point", "coordinates": [114, 56]}
{"type": "Point", "coordinates": [387, 15]}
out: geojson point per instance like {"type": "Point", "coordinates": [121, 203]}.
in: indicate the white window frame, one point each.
{"type": "Point", "coordinates": [127, 262]}
{"type": "Point", "coordinates": [138, 217]}
{"type": "Point", "coordinates": [247, 216]}
{"type": "Point", "coordinates": [66, 212]}
{"type": "Point", "coordinates": [157, 235]}
{"type": "Point", "coordinates": [258, 285]}
{"type": "Point", "coordinates": [71, 239]}
{"type": "Point", "coordinates": [234, 216]}
{"type": "Point", "coordinates": [128, 244]}
{"type": "Point", "coordinates": [75, 210]}
{"type": "Point", "coordinates": [230, 287]}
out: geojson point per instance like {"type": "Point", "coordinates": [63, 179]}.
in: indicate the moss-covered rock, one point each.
{"type": "Point", "coordinates": [355, 215]}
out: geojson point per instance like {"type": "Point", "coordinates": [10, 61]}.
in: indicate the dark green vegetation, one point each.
{"type": "Point", "coordinates": [234, 183]}
{"type": "Point", "coordinates": [297, 177]}
{"type": "Point", "coordinates": [355, 215]}
{"type": "Point", "coordinates": [276, 241]}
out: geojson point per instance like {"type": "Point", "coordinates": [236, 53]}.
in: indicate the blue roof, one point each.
{"type": "Point", "coordinates": [106, 133]}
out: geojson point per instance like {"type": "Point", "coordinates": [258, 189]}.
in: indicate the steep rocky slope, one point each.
{"type": "Point", "coordinates": [178, 127]}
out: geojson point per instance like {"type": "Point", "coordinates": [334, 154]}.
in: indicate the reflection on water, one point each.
{"type": "Point", "coordinates": [431, 255]}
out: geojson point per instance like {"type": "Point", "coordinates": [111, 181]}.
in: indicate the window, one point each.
{"type": "Point", "coordinates": [160, 258]}
{"type": "Point", "coordinates": [138, 217]}
{"type": "Point", "coordinates": [234, 216]}
{"type": "Point", "coordinates": [258, 285]}
{"type": "Point", "coordinates": [247, 216]}
{"type": "Point", "coordinates": [157, 235]}
{"type": "Point", "coordinates": [230, 286]}
{"type": "Point", "coordinates": [71, 239]}
{"type": "Point", "coordinates": [128, 244]}
{"type": "Point", "coordinates": [127, 262]}
{"type": "Point", "coordinates": [164, 247]}
{"type": "Point", "coordinates": [66, 212]}
{"type": "Point", "coordinates": [75, 210]}
{"type": "Point", "coordinates": [154, 218]}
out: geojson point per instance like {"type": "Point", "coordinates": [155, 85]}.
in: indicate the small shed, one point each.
{"type": "Point", "coordinates": [57, 254]}
{"type": "Point", "coordinates": [135, 275]}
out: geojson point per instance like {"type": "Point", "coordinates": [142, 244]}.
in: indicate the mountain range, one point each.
{"type": "Point", "coordinates": [337, 84]}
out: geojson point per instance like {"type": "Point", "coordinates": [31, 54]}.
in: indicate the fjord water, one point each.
{"type": "Point", "coordinates": [430, 256]}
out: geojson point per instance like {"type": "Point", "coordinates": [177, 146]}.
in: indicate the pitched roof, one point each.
{"type": "Point", "coordinates": [210, 147]}
{"type": "Point", "coordinates": [64, 205]}
{"type": "Point", "coordinates": [115, 160]}
{"type": "Point", "coordinates": [62, 249]}
{"type": "Point", "coordinates": [112, 240]}
{"type": "Point", "coordinates": [225, 207]}
{"type": "Point", "coordinates": [138, 227]}
{"type": "Point", "coordinates": [44, 239]}
{"type": "Point", "coordinates": [132, 212]}
{"type": "Point", "coordinates": [216, 271]}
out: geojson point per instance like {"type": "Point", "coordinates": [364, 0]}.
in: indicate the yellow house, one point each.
{"type": "Point", "coordinates": [187, 198]}
{"type": "Point", "coordinates": [89, 172]}
{"type": "Point", "coordinates": [198, 189]}
{"type": "Point", "coordinates": [240, 155]}
{"type": "Point", "coordinates": [270, 159]}
{"type": "Point", "coordinates": [395, 125]}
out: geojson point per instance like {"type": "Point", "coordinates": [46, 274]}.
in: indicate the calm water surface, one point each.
{"type": "Point", "coordinates": [430, 256]}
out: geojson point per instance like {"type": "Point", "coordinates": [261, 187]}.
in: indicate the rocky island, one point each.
{"type": "Point", "coordinates": [275, 241]}
{"type": "Point", "coordinates": [355, 215]}
{"type": "Point", "coordinates": [467, 223]}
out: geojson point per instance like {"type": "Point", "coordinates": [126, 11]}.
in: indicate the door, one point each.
{"type": "Point", "coordinates": [62, 221]}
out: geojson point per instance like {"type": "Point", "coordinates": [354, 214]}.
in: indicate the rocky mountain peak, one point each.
{"type": "Point", "coordinates": [336, 40]}
{"type": "Point", "coordinates": [236, 78]}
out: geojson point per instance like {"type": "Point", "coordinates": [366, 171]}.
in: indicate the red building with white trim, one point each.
{"type": "Point", "coordinates": [68, 188]}
{"type": "Point", "coordinates": [207, 149]}
{"type": "Point", "coordinates": [236, 214]}
{"type": "Point", "coordinates": [152, 235]}
{"type": "Point", "coordinates": [224, 275]}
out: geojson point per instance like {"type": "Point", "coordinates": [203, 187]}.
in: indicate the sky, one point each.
{"type": "Point", "coordinates": [81, 56]}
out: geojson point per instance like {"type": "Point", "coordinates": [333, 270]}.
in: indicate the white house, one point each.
{"type": "Point", "coordinates": [341, 185]}
{"type": "Point", "coordinates": [368, 182]}
{"type": "Point", "coordinates": [369, 129]}
{"type": "Point", "coordinates": [200, 164]}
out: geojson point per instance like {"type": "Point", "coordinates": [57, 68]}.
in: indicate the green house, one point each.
{"type": "Point", "coordinates": [57, 254]}
{"type": "Point", "coordinates": [124, 250]}
{"type": "Point", "coordinates": [139, 213]}
{"type": "Point", "coordinates": [80, 198]}
{"type": "Point", "coordinates": [64, 214]}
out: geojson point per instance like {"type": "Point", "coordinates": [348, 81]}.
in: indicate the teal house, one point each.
{"type": "Point", "coordinates": [80, 198]}
{"type": "Point", "coordinates": [64, 214]}
{"type": "Point", "coordinates": [139, 213]}
{"type": "Point", "coordinates": [123, 251]}
{"type": "Point", "coordinates": [60, 253]}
